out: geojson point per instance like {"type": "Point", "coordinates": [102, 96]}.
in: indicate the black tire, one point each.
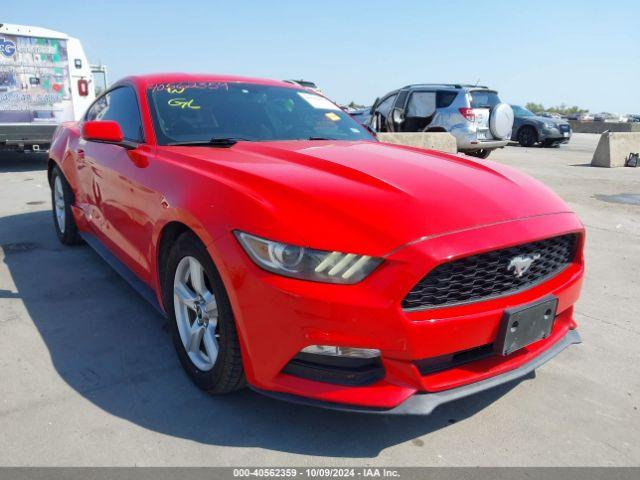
{"type": "Point", "coordinates": [527, 136]}
{"type": "Point", "coordinates": [479, 153]}
{"type": "Point", "coordinates": [68, 232]}
{"type": "Point", "coordinates": [227, 374]}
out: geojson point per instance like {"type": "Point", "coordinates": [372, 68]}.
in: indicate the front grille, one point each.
{"type": "Point", "coordinates": [490, 275]}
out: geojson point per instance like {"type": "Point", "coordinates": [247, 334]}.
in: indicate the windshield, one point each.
{"type": "Point", "coordinates": [519, 111]}
{"type": "Point", "coordinates": [201, 111]}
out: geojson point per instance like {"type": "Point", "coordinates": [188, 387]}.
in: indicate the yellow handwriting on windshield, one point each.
{"type": "Point", "coordinates": [176, 90]}
{"type": "Point", "coordinates": [183, 103]}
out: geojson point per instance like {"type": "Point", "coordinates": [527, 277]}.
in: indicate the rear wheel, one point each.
{"type": "Point", "coordinates": [479, 153]}
{"type": "Point", "coordinates": [61, 200]}
{"type": "Point", "coordinates": [527, 136]}
{"type": "Point", "coordinates": [204, 332]}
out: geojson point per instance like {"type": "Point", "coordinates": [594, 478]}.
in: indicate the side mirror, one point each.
{"type": "Point", "coordinates": [105, 131]}
{"type": "Point", "coordinates": [397, 116]}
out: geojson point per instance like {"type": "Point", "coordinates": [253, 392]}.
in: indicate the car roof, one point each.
{"type": "Point", "coordinates": [144, 81]}
{"type": "Point", "coordinates": [447, 85]}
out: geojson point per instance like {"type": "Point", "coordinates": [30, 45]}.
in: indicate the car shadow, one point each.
{"type": "Point", "coordinates": [22, 162]}
{"type": "Point", "coordinates": [115, 350]}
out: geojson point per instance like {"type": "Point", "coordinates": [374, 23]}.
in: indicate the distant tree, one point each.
{"type": "Point", "coordinates": [535, 107]}
{"type": "Point", "coordinates": [561, 109]}
{"type": "Point", "coordinates": [355, 105]}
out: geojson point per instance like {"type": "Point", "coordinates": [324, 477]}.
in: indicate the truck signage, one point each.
{"type": "Point", "coordinates": [34, 80]}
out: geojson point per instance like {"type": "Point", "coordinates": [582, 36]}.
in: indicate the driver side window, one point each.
{"type": "Point", "coordinates": [96, 109]}
{"type": "Point", "coordinates": [119, 105]}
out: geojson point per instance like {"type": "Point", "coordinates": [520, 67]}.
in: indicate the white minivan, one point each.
{"type": "Point", "coordinates": [45, 79]}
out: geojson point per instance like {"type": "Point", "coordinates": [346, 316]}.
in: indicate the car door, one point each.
{"type": "Point", "coordinates": [118, 198]}
{"type": "Point", "coordinates": [395, 121]}
{"type": "Point", "coordinates": [381, 113]}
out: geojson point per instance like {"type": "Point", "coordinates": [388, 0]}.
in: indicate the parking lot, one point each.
{"type": "Point", "coordinates": [88, 375]}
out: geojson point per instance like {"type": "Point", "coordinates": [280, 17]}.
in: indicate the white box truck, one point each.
{"type": "Point", "coordinates": [45, 79]}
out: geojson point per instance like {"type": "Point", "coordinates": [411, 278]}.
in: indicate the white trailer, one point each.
{"type": "Point", "coordinates": [45, 79]}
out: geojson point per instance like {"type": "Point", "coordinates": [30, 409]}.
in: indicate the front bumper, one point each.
{"type": "Point", "coordinates": [425, 403]}
{"type": "Point", "coordinates": [554, 135]}
{"type": "Point", "coordinates": [277, 317]}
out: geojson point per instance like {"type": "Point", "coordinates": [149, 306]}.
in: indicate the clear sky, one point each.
{"type": "Point", "coordinates": [584, 53]}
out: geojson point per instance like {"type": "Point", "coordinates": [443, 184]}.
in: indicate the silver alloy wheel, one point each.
{"type": "Point", "coordinates": [196, 312]}
{"type": "Point", "coordinates": [58, 200]}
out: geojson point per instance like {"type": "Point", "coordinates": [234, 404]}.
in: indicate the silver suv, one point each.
{"type": "Point", "coordinates": [473, 114]}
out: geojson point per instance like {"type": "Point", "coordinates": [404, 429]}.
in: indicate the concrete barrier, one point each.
{"type": "Point", "coordinates": [614, 147]}
{"type": "Point", "coordinates": [600, 127]}
{"type": "Point", "coordinates": [443, 141]}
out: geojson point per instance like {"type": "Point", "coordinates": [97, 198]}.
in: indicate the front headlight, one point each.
{"type": "Point", "coordinates": [549, 125]}
{"type": "Point", "coordinates": [306, 263]}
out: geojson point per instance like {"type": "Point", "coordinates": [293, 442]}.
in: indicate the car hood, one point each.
{"type": "Point", "coordinates": [367, 197]}
{"type": "Point", "coordinates": [556, 121]}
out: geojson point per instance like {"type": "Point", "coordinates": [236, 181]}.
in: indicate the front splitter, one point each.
{"type": "Point", "coordinates": [425, 403]}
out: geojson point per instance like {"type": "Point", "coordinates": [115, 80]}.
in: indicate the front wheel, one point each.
{"type": "Point", "coordinates": [204, 332]}
{"type": "Point", "coordinates": [61, 201]}
{"type": "Point", "coordinates": [527, 137]}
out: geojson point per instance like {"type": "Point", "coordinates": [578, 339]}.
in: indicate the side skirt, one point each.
{"type": "Point", "coordinates": [139, 286]}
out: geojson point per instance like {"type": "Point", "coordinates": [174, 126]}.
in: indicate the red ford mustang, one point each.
{"type": "Point", "coordinates": [295, 253]}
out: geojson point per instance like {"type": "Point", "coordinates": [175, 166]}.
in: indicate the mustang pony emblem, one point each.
{"type": "Point", "coordinates": [521, 263]}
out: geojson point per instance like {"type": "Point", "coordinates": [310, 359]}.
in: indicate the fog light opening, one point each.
{"type": "Point", "coordinates": [335, 351]}
{"type": "Point", "coordinates": [337, 365]}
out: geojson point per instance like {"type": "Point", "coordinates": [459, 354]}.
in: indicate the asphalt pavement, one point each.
{"type": "Point", "coordinates": [88, 375]}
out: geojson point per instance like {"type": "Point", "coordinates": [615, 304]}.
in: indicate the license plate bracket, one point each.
{"type": "Point", "coordinates": [522, 326]}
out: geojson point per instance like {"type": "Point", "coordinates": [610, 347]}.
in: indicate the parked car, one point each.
{"type": "Point", "coordinates": [306, 84]}
{"type": "Point", "coordinates": [530, 129]}
{"type": "Point", "coordinates": [585, 117]}
{"type": "Point", "coordinates": [474, 115]}
{"type": "Point", "coordinates": [38, 91]}
{"type": "Point", "coordinates": [603, 117]}
{"type": "Point", "coordinates": [294, 253]}
{"type": "Point", "coordinates": [632, 117]}
{"type": "Point", "coordinates": [581, 117]}
{"type": "Point", "coordinates": [361, 115]}
{"type": "Point", "coordinates": [549, 115]}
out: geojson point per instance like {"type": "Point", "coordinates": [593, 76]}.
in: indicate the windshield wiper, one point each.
{"type": "Point", "coordinates": [214, 142]}
{"type": "Point", "coordinates": [321, 138]}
